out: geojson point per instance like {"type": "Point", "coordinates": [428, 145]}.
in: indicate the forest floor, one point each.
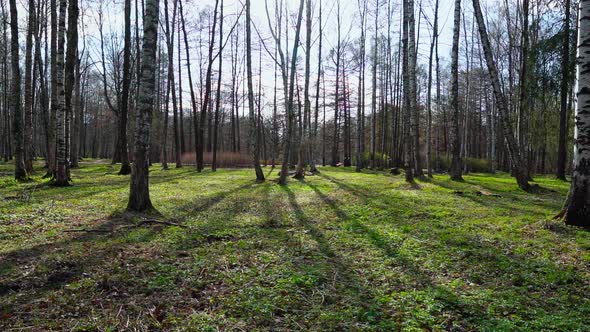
{"type": "Point", "coordinates": [338, 251]}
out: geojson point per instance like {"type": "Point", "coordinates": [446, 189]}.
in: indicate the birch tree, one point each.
{"type": "Point", "coordinates": [139, 194]}
{"type": "Point", "coordinates": [60, 178]}
{"type": "Point", "coordinates": [456, 164]}
{"type": "Point", "coordinates": [70, 74]}
{"type": "Point", "coordinates": [577, 207]}
{"type": "Point", "coordinates": [433, 45]}
{"type": "Point", "coordinates": [520, 171]}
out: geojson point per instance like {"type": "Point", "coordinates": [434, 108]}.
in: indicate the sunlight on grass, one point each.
{"type": "Point", "coordinates": [337, 251]}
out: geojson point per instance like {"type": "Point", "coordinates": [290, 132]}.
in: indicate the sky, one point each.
{"type": "Point", "coordinates": [350, 27]}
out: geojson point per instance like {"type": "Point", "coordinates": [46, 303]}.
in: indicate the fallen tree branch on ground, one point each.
{"type": "Point", "coordinates": [139, 224]}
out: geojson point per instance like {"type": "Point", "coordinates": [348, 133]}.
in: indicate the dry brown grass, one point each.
{"type": "Point", "coordinates": [224, 159]}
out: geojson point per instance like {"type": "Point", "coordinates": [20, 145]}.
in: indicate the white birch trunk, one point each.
{"type": "Point", "coordinates": [577, 210]}
{"type": "Point", "coordinates": [61, 176]}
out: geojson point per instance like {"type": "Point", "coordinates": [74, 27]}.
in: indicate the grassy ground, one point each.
{"type": "Point", "coordinates": [338, 251]}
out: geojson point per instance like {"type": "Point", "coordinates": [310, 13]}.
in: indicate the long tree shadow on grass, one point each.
{"type": "Point", "coordinates": [486, 263]}
{"type": "Point", "coordinates": [376, 238]}
{"type": "Point", "coordinates": [357, 191]}
{"type": "Point", "coordinates": [86, 189]}
{"type": "Point", "coordinates": [29, 275]}
{"type": "Point", "coordinates": [348, 278]}
{"type": "Point", "coordinates": [324, 245]}
{"type": "Point", "coordinates": [200, 204]}
{"type": "Point", "coordinates": [114, 226]}
{"type": "Point", "coordinates": [522, 203]}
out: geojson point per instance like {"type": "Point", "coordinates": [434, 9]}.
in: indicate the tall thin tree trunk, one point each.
{"type": "Point", "coordinates": [124, 107]}
{"type": "Point", "coordinates": [180, 107]}
{"type": "Point", "coordinates": [324, 119]}
{"type": "Point", "coordinates": [429, 93]}
{"type": "Point", "coordinates": [361, 93]}
{"type": "Point", "coordinates": [407, 60]}
{"type": "Point", "coordinates": [44, 95]}
{"type": "Point", "coordinates": [139, 195]}
{"type": "Point", "coordinates": [70, 74]}
{"type": "Point", "coordinates": [300, 171]}
{"type": "Point", "coordinates": [413, 42]}
{"type": "Point", "coordinates": [207, 96]}
{"type": "Point", "coordinates": [438, 102]}
{"type": "Point", "coordinates": [577, 206]}
{"type": "Point", "coordinates": [520, 171]}
{"type": "Point", "coordinates": [190, 81]}
{"type": "Point", "coordinates": [61, 177]}
{"type": "Point", "coordinates": [20, 172]}
{"type": "Point", "coordinates": [335, 144]}
{"type": "Point", "coordinates": [172, 83]}
{"type": "Point", "coordinates": [165, 113]}
{"type": "Point", "coordinates": [564, 90]}
{"type": "Point", "coordinates": [314, 130]}
{"type": "Point", "coordinates": [29, 153]}
{"type": "Point", "coordinates": [218, 93]}
{"type": "Point", "coordinates": [523, 95]}
{"type": "Point", "coordinates": [374, 89]}
{"type": "Point", "coordinates": [51, 128]}
{"type": "Point", "coordinates": [275, 124]}
{"type": "Point", "coordinates": [254, 143]}
{"type": "Point", "coordinates": [289, 136]}
{"type": "Point", "coordinates": [6, 142]}
{"type": "Point", "coordinates": [456, 165]}
{"type": "Point", "coordinates": [79, 109]}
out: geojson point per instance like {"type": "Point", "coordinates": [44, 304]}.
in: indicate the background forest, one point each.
{"type": "Point", "coordinates": [355, 72]}
{"type": "Point", "coordinates": [292, 165]}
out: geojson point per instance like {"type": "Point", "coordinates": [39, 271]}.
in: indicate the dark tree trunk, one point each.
{"type": "Point", "coordinates": [336, 141]}
{"type": "Point", "coordinates": [207, 97]}
{"type": "Point", "coordinates": [29, 146]}
{"type": "Point", "coordinates": [457, 163]}
{"type": "Point", "coordinates": [20, 172]}
{"type": "Point", "coordinates": [564, 90]}
{"type": "Point", "coordinates": [254, 143]}
{"type": "Point", "coordinates": [172, 82]}
{"type": "Point", "coordinates": [190, 82]}
{"type": "Point", "coordinates": [289, 136]}
{"type": "Point", "coordinates": [70, 73]}
{"type": "Point", "coordinates": [124, 107]}
{"type": "Point", "coordinates": [520, 171]}
{"type": "Point", "coordinates": [218, 93]}
{"type": "Point", "coordinates": [300, 171]}
{"type": "Point", "coordinates": [407, 59]}
{"type": "Point", "coordinates": [78, 121]}
{"type": "Point", "coordinates": [314, 132]}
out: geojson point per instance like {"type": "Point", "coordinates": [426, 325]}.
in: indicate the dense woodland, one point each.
{"type": "Point", "coordinates": [296, 84]}
{"type": "Point", "coordinates": [295, 165]}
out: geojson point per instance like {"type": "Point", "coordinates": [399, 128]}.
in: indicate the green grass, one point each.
{"type": "Point", "coordinates": [338, 251]}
